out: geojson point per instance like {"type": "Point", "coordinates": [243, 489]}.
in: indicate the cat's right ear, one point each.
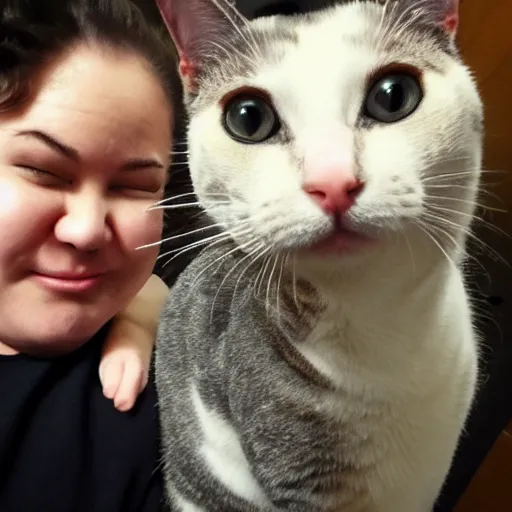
{"type": "Point", "coordinates": [197, 27]}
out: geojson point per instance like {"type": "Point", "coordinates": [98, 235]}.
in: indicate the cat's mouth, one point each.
{"type": "Point", "coordinates": [340, 239]}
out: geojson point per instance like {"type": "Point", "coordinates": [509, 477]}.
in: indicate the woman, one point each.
{"type": "Point", "coordinates": [86, 129]}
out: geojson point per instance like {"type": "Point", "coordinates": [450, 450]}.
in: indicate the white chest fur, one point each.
{"type": "Point", "coordinates": [407, 377]}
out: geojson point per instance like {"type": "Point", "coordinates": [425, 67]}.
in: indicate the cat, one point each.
{"type": "Point", "coordinates": [319, 354]}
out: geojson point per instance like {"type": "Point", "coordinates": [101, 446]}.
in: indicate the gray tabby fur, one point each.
{"type": "Point", "coordinates": [289, 381]}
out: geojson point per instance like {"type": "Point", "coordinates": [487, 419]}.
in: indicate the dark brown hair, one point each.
{"type": "Point", "coordinates": [33, 32]}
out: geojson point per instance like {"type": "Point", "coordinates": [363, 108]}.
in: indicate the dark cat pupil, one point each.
{"type": "Point", "coordinates": [391, 96]}
{"type": "Point", "coordinates": [249, 118]}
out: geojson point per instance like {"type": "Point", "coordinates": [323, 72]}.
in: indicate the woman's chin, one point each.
{"type": "Point", "coordinates": [57, 333]}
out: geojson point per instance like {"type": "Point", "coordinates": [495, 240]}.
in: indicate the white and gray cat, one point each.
{"type": "Point", "coordinates": [319, 354]}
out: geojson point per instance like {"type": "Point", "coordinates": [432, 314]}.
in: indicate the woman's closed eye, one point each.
{"type": "Point", "coordinates": [44, 177]}
{"type": "Point", "coordinates": [140, 184]}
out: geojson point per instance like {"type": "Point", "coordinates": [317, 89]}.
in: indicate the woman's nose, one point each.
{"type": "Point", "coordinates": [84, 224]}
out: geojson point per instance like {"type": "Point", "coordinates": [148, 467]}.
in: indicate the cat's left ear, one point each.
{"type": "Point", "coordinates": [199, 28]}
{"type": "Point", "coordinates": [443, 13]}
{"type": "Point", "coordinates": [449, 15]}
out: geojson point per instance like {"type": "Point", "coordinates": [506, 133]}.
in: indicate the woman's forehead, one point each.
{"type": "Point", "coordinates": [89, 96]}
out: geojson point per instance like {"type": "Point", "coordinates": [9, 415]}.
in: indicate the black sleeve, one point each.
{"type": "Point", "coordinates": [65, 448]}
{"type": "Point", "coordinates": [153, 500]}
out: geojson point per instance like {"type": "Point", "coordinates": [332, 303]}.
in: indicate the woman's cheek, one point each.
{"type": "Point", "coordinates": [139, 227]}
{"type": "Point", "coordinates": [24, 224]}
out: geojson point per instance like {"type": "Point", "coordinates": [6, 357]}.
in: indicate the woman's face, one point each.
{"type": "Point", "coordinates": [79, 167]}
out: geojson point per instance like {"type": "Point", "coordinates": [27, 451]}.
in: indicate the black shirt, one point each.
{"type": "Point", "coordinates": [65, 448]}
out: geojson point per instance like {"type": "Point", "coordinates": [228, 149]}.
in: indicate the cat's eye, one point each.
{"type": "Point", "coordinates": [250, 119]}
{"type": "Point", "coordinates": [393, 97]}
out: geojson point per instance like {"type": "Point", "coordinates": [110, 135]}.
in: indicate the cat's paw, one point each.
{"type": "Point", "coordinates": [123, 375]}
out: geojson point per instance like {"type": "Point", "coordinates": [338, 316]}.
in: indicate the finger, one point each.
{"type": "Point", "coordinates": [111, 372]}
{"type": "Point", "coordinates": [130, 385]}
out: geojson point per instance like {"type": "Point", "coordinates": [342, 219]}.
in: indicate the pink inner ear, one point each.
{"type": "Point", "coordinates": [187, 69]}
{"type": "Point", "coordinates": [451, 20]}
{"type": "Point", "coordinates": [451, 23]}
{"type": "Point", "coordinates": [188, 72]}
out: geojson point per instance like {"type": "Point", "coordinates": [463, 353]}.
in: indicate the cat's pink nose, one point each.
{"type": "Point", "coordinates": [329, 169]}
{"type": "Point", "coordinates": [335, 195]}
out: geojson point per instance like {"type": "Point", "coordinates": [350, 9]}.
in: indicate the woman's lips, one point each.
{"type": "Point", "coordinates": [67, 282]}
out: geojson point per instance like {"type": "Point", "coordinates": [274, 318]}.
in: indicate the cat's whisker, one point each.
{"type": "Point", "coordinates": [457, 174]}
{"type": "Point", "coordinates": [168, 199]}
{"type": "Point", "coordinates": [233, 268]}
{"type": "Point", "coordinates": [451, 159]}
{"type": "Point", "coordinates": [438, 208]}
{"type": "Point", "coordinates": [424, 228]}
{"type": "Point", "coordinates": [465, 201]}
{"type": "Point", "coordinates": [237, 248]}
{"type": "Point", "coordinates": [437, 217]}
{"type": "Point", "coordinates": [183, 205]}
{"type": "Point", "coordinates": [456, 244]}
{"type": "Point", "coordinates": [468, 255]}
{"type": "Point", "coordinates": [408, 243]}
{"type": "Point", "coordinates": [191, 248]}
{"type": "Point", "coordinates": [261, 275]}
{"type": "Point", "coordinates": [481, 311]}
{"type": "Point", "coordinates": [264, 250]}
{"type": "Point", "coordinates": [478, 220]}
{"type": "Point", "coordinates": [278, 286]}
{"type": "Point", "coordinates": [193, 245]}
{"type": "Point", "coordinates": [269, 284]}
{"type": "Point", "coordinates": [468, 233]}
{"type": "Point", "coordinates": [482, 190]}
{"type": "Point", "coordinates": [255, 282]}
{"type": "Point", "coordinates": [224, 235]}
{"type": "Point", "coordinates": [188, 194]}
{"type": "Point", "coordinates": [181, 235]}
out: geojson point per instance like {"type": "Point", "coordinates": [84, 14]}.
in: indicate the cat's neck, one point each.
{"type": "Point", "coordinates": [396, 271]}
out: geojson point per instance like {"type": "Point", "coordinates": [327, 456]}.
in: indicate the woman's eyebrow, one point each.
{"type": "Point", "coordinates": [73, 154]}
{"type": "Point", "coordinates": [141, 163]}
{"type": "Point", "coordinates": [52, 143]}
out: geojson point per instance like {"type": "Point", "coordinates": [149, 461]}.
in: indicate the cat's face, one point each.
{"type": "Point", "coordinates": [343, 130]}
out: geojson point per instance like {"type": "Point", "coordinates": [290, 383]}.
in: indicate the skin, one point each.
{"type": "Point", "coordinates": [86, 209]}
{"type": "Point", "coordinates": [127, 351]}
